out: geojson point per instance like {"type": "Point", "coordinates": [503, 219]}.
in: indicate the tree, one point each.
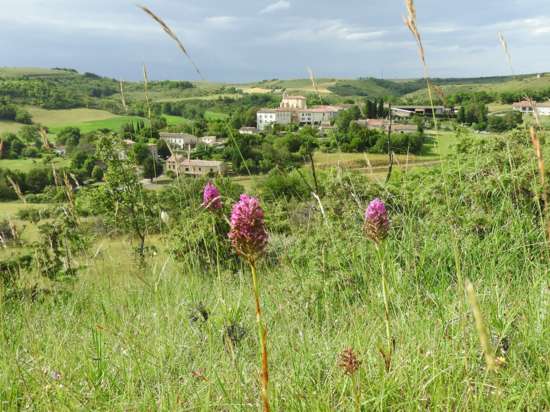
{"type": "Point", "coordinates": [122, 199]}
{"type": "Point", "coordinates": [97, 173]}
{"type": "Point", "coordinates": [69, 136]}
{"type": "Point", "coordinates": [461, 115]}
{"type": "Point", "coordinates": [152, 168]}
{"type": "Point", "coordinates": [380, 111]}
{"type": "Point", "coordinates": [140, 153]}
{"type": "Point", "coordinates": [163, 150]}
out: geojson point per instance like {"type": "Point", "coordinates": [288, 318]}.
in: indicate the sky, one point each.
{"type": "Point", "coordinates": [250, 40]}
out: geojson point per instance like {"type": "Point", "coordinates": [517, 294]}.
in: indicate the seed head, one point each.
{"type": "Point", "coordinates": [377, 223]}
{"type": "Point", "coordinates": [248, 235]}
{"type": "Point", "coordinates": [211, 198]}
{"type": "Point", "coordinates": [349, 362]}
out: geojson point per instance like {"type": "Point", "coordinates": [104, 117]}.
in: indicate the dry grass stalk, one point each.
{"type": "Point", "coordinates": [314, 83]}
{"type": "Point", "coordinates": [504, 45]}
{"type": "Point", "coordinates": [44, 136]}
{"type": "Point", "coordinates": [481, 328]}
{"type": "Point", "coordinates": [17, 189]}
{"type": "Point", "coordinates": [54, 174]}
{"type": "Point", "coordinates": [69, 193]}
{"type": "Point", "coordinates": [122, 98]}
{"type": "Point", "coordinates": [173, 36]}
{"type": "Point", "coordinates": [536, 114]}
{"type": "Point", "coordinates": [146, 89]}
{"type": "Point", "coordinates": [410, 22]}
{"type": "Point", "coordinates": [535, 141]}
{"type": "Point", "coordinates": [1, 148]}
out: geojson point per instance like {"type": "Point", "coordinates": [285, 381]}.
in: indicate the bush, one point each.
{"type": "Point", "coordinates": [278, 184]}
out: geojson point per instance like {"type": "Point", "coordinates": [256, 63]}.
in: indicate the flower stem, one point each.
{"type": "Point", "coordinates": [388, 355]}
{"type": "Point", "coordinates": [356, 392]}
{"type": "Point", "coordinates": [262, 335]}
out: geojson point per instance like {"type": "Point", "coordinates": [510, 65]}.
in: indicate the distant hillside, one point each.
{"type": "Point", "coordinates": [518, 85]}
{"type": "Point", "coordinates": [34, 72]}
{"type": "Point", "coordinates": [63, 88]}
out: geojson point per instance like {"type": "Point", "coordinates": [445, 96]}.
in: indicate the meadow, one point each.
{"type": "Point", "coordinates": [428, 290]}
{"type": "Point", "coordinates": [179, 332]}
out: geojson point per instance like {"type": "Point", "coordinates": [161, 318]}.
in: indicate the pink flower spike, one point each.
{"type": "Point", "coordinates": [377, 223]}
{"type": "Point", "coordinates": [248, 234]}
{"type": "Point", "coordinates": [211, 198]}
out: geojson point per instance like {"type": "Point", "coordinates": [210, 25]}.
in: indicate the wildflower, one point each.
{"type": "Point", "coordinates": [248, 235]}
{"type": "Point", "coordinates": [349, 361]}
{"type": "Point", "coordinates": [249, 238]}
{"type": "Point", "coordinates": [211, 198]}
{"type": "Point", "coordinates": [377, 223]}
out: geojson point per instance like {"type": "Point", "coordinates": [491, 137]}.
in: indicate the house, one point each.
{"type": "Point", "coordinates": [180, 164]}
{"type": "Point", "coordinates": [248, 130]}
{"type": "Point", "coordinates": [209, 140]}
{"type": "Point", "coordinates": [179, 140]}
{"type": "Point", "coordinates": [408, 111]}
{"type": "Point", "coordinates": [293, 102]}
{"type": "Point", "coordinates": [294, 110]}
{"type": "Point", "coordinates": [543, 109]}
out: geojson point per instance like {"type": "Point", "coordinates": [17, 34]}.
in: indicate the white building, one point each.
{"type": "Point", "coordinates": [268, 117]}
{"type": "Point", "coordinates": [293, 109]}
{"type": "Point", "coordinates": [179, 140]}
{"type": "Point", "coordinates": [543, 109]}
{"type": "Point", "coordinates": [318, 115]}
{"type": "Point", "coordinates": [248, 130]}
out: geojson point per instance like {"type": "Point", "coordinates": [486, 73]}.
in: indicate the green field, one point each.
{"type": "Point", "coordinates": [11, 72]}
{"type": "Point", "coordinates": [24, 165]}
{"type": "Point", "coordinates": [9, 127]}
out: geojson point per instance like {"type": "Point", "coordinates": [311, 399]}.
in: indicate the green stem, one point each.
{"type": "Point", "coordinates": [356, 392]}
{"type": "Point", "coordinates": [386, 302]}
{"type": "Point", "coordinates": [262, 335]}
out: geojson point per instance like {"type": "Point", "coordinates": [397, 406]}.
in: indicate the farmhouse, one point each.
{"type": "Point", "coordinates": [409, 111]}
{"type": "Point", "coordinates": [543, 109]}
{"type": "Point", "coordinates": [180, 164]}
{"type": "Point", "coordinates": [384, 124]}
{"type": "Point", "coordinates": [248, 130]}
{"type": "Point", "coordinates": [179, 140]}
{"type": "Point", "coordinates": [293, 109]}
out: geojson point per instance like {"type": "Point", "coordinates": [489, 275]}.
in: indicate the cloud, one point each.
{"type": "Point", "coordinates": [280, 5]}
{"type": "Point", "coordinates": [315, 30]}
{"type": "Point", "coordinates": [220, 21]}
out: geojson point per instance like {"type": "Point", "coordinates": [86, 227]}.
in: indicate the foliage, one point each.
{"type": "Point", "coordinates": [509, 121]}
{"type": "Point", "coordinates": [122, 200]}
{"type": "Point", "coordinates": [152, 168]}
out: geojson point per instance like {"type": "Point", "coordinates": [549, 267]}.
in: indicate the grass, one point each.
{"type": "Point", "coordinates": [130, 337]}
{"type": "Point", "coordinates": [25, 165]}
{"type": "Point", "coordinates": [53, 118]}
{"type": "Point", "coordinates": [12, 72]}
{"type": "Point", "coordinates": [9, 127]}
{"type": "Point", "coordinates": [87, 120]}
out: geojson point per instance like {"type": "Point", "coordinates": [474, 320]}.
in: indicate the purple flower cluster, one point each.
{"type": "Point", "coordinates": [377, 223]}
{"type": "Point", "coordinates": [248, 235]}
{"type": "Point", "coordinates": [211, 198]}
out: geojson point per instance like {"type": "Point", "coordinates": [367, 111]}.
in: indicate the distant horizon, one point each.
{"type": "Point", "coordinates": [59, 68]}
{"type": "Point", "coordinates": [243, 40]}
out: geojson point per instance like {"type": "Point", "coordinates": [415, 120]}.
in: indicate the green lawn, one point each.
{"type": "Point", "coordinates": [208, 115]}
{"type": "Point", "coordinates": [9, 127]}
{"type": "Point", "coordinates": [24, 165]}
